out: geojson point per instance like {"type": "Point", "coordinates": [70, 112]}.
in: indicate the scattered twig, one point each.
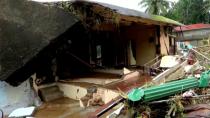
{"type": "Point", "coordinates": [174, 112]}
{"type": "Point", "coordinates": [168, 115]}
{"type": "Point", "coordinates": [192, 97]}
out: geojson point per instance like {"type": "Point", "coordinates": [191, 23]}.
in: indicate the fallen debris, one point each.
{"type": "Point", "coordinates": [169, 61]}
{"type": "Point", "coordinates": [92, 98]}
{"type": "Point", "coordinates": [126, 71]}
{"type": "Point", "coordinates": [197, 111]}
{"type": "Point", "coordinates": [116, 112]}
{"type": "Point", "coordinates": [202, 55]}
{"type": "Point", "coordinates": [188, 94]}
{"type": "Point", "coordinates": [22, 112]}
{"type": "Point", "coordinates": [99, 112]}
{"type": "Point", "coordinates": [170, 88]}
{"type": "Point", "coordinates": [141, 101]}
{"type": "Point", "coordinates": [50, 93]}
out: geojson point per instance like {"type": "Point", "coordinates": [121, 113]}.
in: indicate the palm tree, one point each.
{"type": "Point", "coordinates": [155, 6]}
{"type": "Point", "coordinates": [206, 10]}
{"type": "Point", "coordinates": [206, 7]}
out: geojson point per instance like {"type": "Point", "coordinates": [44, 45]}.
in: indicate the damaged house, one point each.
{"type": "Point", "coordinates": [77, 45]}
{"type": "Point", "coordinates": [194, 34]}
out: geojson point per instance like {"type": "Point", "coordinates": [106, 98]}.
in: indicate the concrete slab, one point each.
{"type": "Point", "coordinates": [77, 90]}
{"type": "Point", "coordinates": [27, 27]}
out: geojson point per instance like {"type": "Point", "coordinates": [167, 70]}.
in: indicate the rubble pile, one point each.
{"type": "Point", "coordinates": [186, 97]}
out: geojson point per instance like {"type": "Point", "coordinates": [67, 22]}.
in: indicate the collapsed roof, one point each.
{"type": "Point", "coordinates": [26, 28]}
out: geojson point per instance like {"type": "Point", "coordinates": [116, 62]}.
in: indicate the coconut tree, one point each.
{"type": "Point", "coordinates": [155, 6]}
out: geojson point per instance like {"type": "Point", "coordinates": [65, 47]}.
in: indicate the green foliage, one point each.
{"type": "Point", "coordinates": [156, 7]}
{"type": "Point", "coordinates": [190, 11]}
{"type": "Point", "coordinates": [207, 5]}
{"type": "Point", "coordinates": [184, 11]}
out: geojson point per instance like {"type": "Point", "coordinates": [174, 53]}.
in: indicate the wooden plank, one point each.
{"type": "Point", "coordinates": [161, 77]}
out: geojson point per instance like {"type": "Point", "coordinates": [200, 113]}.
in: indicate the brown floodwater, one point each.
{"type": "Point", "coordinates": [63, 108]}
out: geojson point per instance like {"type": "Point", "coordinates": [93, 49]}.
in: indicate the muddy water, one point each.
{"type": "Point", "coordinates": [63, 108]}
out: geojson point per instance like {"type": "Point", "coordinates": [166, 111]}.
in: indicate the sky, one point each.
{"type": "Point", "coordinates": [132, 4]}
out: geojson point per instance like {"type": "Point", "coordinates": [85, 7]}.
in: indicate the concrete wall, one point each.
{"type": "Point", "coordinates": [76, 92]}
{"type": "Point", "coordinates": [197, 37]}
{"type": "Point", "coordinates": [15, 97]}
{"type": "Point", "coordinates": [72, 91]}
{"type": "Point", "coordinates": [194, 34]}
{"type": "Point", "coordinates": [145, 49]}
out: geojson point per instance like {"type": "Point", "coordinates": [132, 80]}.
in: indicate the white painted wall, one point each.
{"type": "Point", "coordinates": [76, 92]}
{"type": "Point", "coordinates": [15, 97]}
{"type": "Point", "coordinates": [72, 91]}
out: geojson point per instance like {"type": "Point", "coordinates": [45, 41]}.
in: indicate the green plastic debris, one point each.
{"type": "Point", "coordinates": [170, 88]}
{"type": "Point", "coordinates": [164, 90]}
{"type": "Point", "coordinates": [204, 79]}
{"type": "Point", "coordinates": [136, 94]}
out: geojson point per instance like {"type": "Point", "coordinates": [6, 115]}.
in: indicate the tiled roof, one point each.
{"type": "Point", "coordinates": [192, 27]}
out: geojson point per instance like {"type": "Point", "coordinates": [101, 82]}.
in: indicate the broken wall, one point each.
{"type": "Point", "coordinates": [12, 98]}
{"type": "Point", "coordinates": [106, 47]}
{"type": "Point", "coordinates": [145, 42]}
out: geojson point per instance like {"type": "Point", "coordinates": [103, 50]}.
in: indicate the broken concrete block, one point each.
{"type": "Point", "coordinates": [50, 93]}
{"type": "Point", "coordinates": [126, 71]}
{"type": "Point", "coordinates": [92, 98]}
{"type": "Point", "coordinates": [95, 102]}
{"type": "Point", "coordinates": [169, 61]}
{"type": "Point", "coordinates": [22, 112]}
{"type": "Point", "coordinates": [85, 100]}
